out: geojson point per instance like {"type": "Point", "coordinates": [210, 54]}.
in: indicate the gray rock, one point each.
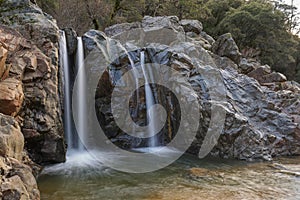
{"type": "Point", "coordinates": [191, 26]}
{"type": "Point", "coordinates": [71, 37]}
{"type": "Point", "coordinates": [226, 46]}
{"type": "Point", "coordinates": [120, 28]}
{"type": "Point", "coordinates": [169, 22]}
{"type": "Point", "coordinates": [246, 66]}
{"type": "Point", "coordinates": [17, 180]}
{"type": "Point", "coordinates": [11, 138]}
{"type": "Point", "coordinates": [207, 37]}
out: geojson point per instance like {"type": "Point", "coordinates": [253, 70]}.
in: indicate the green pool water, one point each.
{"type": "Point", "coordinates": [188, 178]}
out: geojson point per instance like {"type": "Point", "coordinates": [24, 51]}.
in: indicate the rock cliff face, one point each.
{"type": "Point", "coordinates": [30, 113]}
{"type": "Point", "coordinates": [30, 78]}
{"type": "Point", "coordinates": [262, 107]}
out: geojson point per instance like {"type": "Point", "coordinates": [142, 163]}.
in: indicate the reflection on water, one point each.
{"type": "Point", "coordinates": [188, 178]}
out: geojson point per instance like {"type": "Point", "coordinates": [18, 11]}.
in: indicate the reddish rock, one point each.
{"type": "Point", "coordinates": [274, 77]}
{"type": "Point", "coordinates": [260, 72]}
{"type": "Point", "coordinates": [3, 57]}
{"type": "Point", "coordinates": [11, 96]}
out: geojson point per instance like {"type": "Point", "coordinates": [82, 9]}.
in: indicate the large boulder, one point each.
{"type": "Point", "coordinates": [120, 28]}
{"type": "Point", "coordinates": [226, 46]}
{"type": "Point", "coordinates": [11, 96]}
{"type": "Point", "coordinates": [274, 77]}
{"type": "Point", "coordinates": [191, 26]}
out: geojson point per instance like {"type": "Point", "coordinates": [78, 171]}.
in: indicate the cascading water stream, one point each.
{"type": "Point", "coordinates": [81, 93]}
{"type": "Point", "coordinates": [74, 143]}
{"type": "Point", "coordinates": [149, 102]}
{"type": "Point", "coordinates": [136, 78]}
{"type": "Point", "coordinates": [82, 160]}
{"type": "Point", "coordinates": [67, 90]}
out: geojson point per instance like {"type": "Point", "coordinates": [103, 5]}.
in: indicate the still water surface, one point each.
{"type": "Point", "coordinates": [188, 178]}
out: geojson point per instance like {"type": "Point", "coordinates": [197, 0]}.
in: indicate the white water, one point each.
{"type": "Point", "coordinates": [67, 90]}
{"type": "Point", "coordinates": [136, 78]}
{"type": "Point", "coordinates": [74, 143]}
{"type": "Point", "coordinates": [81, 93]}
{"type": "Point", "coordinates": [149, 103]}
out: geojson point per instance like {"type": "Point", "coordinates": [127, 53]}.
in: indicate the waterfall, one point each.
{"type": "Point", "coordinates": [149, 102]}
{"type": "Point", "coordinates": [67, 89]}
{"type": "Point", "coordinates": [81, 92]}
{"type": "Point", "coordinates": [136, 78]}
{"type": "Point", "coordinates": [73, 141]}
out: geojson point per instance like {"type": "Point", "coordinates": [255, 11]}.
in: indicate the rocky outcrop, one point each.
{"type": "Point", "coordinates": [30, 38]}
{"type": "Point", "coordinates": [17, 180]}
{"type": "Point", "coordinates": [261, 120]}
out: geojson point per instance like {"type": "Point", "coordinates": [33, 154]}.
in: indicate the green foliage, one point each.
{"type": "Point", "coordinates": [258, 25]}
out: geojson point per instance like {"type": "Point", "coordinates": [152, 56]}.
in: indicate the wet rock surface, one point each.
{"type": "Point", "coordinates": [261, 106]}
